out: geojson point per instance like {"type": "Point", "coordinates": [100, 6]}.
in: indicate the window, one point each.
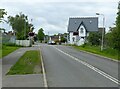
{"type": "Point", "coordinates": [81, 30]}
{"type": "Point", "coordinates": [73, 39]}
{"type": "Point", "coordinates": [75, 33]}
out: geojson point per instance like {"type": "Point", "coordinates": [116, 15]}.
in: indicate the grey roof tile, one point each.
{"type": "Point", "coordinates": [90, 23]}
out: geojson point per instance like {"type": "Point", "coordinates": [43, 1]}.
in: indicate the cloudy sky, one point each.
{"type": "Point", "coordinates": [53, 15]}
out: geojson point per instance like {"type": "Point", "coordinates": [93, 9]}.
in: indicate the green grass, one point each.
{"type": "Point", "coordinates": [0, 53]}
{"type": "Point", "coordinates": [26, 64]}
{"type": "Point", "coordinates": [110, 53]}
{"type": "Point", "coordinates": [7, 49]}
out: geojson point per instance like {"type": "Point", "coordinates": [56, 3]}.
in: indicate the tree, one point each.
{"type": "Point", "coordinates": [113, 37]}
{"type": "Point", "coordinates": [2, 13]}
{"type": "Point", "coordinates": [110, 38]}
{"type": "Point", "coordinates": [63, 39]}
{"type": "Point", "coordinates": [41, 34]}
{"type": "Point", "coordinates": [20, 25]}
{"type": "Point", "coordinates": [94, 38]}
{"type": "Point", "coordinates": [118, 30]}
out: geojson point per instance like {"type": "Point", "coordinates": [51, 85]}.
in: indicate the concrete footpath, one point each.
{"type": "Point", "coordinates": [29, 80]}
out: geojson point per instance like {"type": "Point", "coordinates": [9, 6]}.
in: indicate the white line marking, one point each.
{"type": "Point", "coordinates": [93, 68]}
{"type": "Point", "coordinates": [43, 69]}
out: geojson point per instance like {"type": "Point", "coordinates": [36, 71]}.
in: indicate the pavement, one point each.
{"type": "Point", "coordinates": [67, 67]}
{"type": "Point", "coordinates": [30, 80]}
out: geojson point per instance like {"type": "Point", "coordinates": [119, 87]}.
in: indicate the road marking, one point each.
{"type": "Point", "coordinates": [93, 68]}
{"type": "Point", "coordinates": [43, 69]}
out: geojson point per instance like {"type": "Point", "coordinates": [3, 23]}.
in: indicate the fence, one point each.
{"type": "Point", "coordinates": [23, 42]}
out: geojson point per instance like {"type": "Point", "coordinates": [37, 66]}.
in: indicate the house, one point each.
{"type": "Point", "coordinates": [79, 28]}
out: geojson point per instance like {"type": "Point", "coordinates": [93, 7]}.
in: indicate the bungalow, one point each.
{"type": "Point", "coordinates": [79, 28]}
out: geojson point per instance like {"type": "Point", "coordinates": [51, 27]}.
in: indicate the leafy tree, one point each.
{"type": "Point", "coordinates": [63, 39]}
{"type": "Point", "coordinates": [41, 34]}
{"type": "Point", "coordinates": [2, 13]}
{"type": "Point", "coordinates": [110, 38]}
{"type": "Point", "coordinates": [118, 31]}
{"type": "Point", "coordinates": [113, 37]}
{"type": "Point", "coordinates": [94, 38]}
{"type": "Point", "coordinates": [20, 25]}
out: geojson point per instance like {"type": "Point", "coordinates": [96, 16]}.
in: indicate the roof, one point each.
{"type": "Point", "coordinates": [90, 23]}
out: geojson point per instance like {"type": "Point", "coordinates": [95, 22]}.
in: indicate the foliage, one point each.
{"type": "Point", "coordinates": [63, 39]}
{"type": "Point", "coordinates": [2, 13]}
{"type": "Point", "coordinates": [20, 25]}
{"type": "Point", "coordinates": [113, 37]}
{"type": "Point", "coordinates": [117, 32]}
{"type": "Point", "coordinates": [41, 34]}
{"type": "Point", "coordinates": [94, 38]}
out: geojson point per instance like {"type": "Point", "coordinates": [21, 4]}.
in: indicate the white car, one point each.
{"type": "Point", "coordinates": [51, 42]}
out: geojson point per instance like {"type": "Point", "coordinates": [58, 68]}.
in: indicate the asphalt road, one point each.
{"type": "Point", "coordinates": [67, 67]}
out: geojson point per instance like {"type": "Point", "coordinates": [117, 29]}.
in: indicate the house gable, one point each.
{"type": "Point", "coordinates": [82, 31]}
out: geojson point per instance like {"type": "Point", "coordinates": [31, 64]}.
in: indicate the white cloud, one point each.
{"type": "Point", "coordinates": [53, 15]}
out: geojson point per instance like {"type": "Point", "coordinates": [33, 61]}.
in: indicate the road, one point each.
{"type": "Point", "coordinates": [67, 67]}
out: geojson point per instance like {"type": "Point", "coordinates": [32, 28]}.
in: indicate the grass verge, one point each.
{"type": "Point", "coordinates": [6, 50]}
{"type": "Point", "coordinates": [110, 53]}
{"type": "Point", "coordinates": [26, 64]}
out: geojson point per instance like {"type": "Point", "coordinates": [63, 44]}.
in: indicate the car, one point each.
{"type": "Point", "coordinates": [51, 42]}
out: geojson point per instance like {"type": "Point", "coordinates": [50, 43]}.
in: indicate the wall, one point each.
{"type": "Point", "coordinates": [71, 36]}
{"type": "Point", "coordinates": [84, 31]}
{"type": "Point", "coordinates": [23, 42]}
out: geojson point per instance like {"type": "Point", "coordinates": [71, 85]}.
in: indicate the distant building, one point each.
{"type": "Point", "coordinates": [8, 37]}
{"type": "Point", "coordinates": [79, 28]}
{"type": "Point", "coordinates": [58, 38]}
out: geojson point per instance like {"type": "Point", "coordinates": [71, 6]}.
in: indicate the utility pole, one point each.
{"type": "Point", "coordinates": [102, 42]}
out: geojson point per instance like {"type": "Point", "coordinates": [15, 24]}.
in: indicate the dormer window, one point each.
{"type": "Point", "coordinates": [75, 22]}
{"type": "Point", "coordinates": [90, 21]}
{"type": "Point", "coordinates": [81, 30]}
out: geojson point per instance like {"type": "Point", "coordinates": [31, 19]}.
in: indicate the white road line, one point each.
{"type": "Point", "coordinates": [93, 68]}
{"type": "Point", "coordinates": [43, 69]}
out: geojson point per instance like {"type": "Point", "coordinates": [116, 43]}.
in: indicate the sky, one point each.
{"type": "Point", "coordinates": [53, 15]}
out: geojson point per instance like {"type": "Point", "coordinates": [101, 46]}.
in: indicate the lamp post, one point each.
{"type": "Point", "coordinates": [102, 43]}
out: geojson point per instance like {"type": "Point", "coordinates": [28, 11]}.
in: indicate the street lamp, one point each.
{"type": "Point", "coordinates": [102, 30]}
